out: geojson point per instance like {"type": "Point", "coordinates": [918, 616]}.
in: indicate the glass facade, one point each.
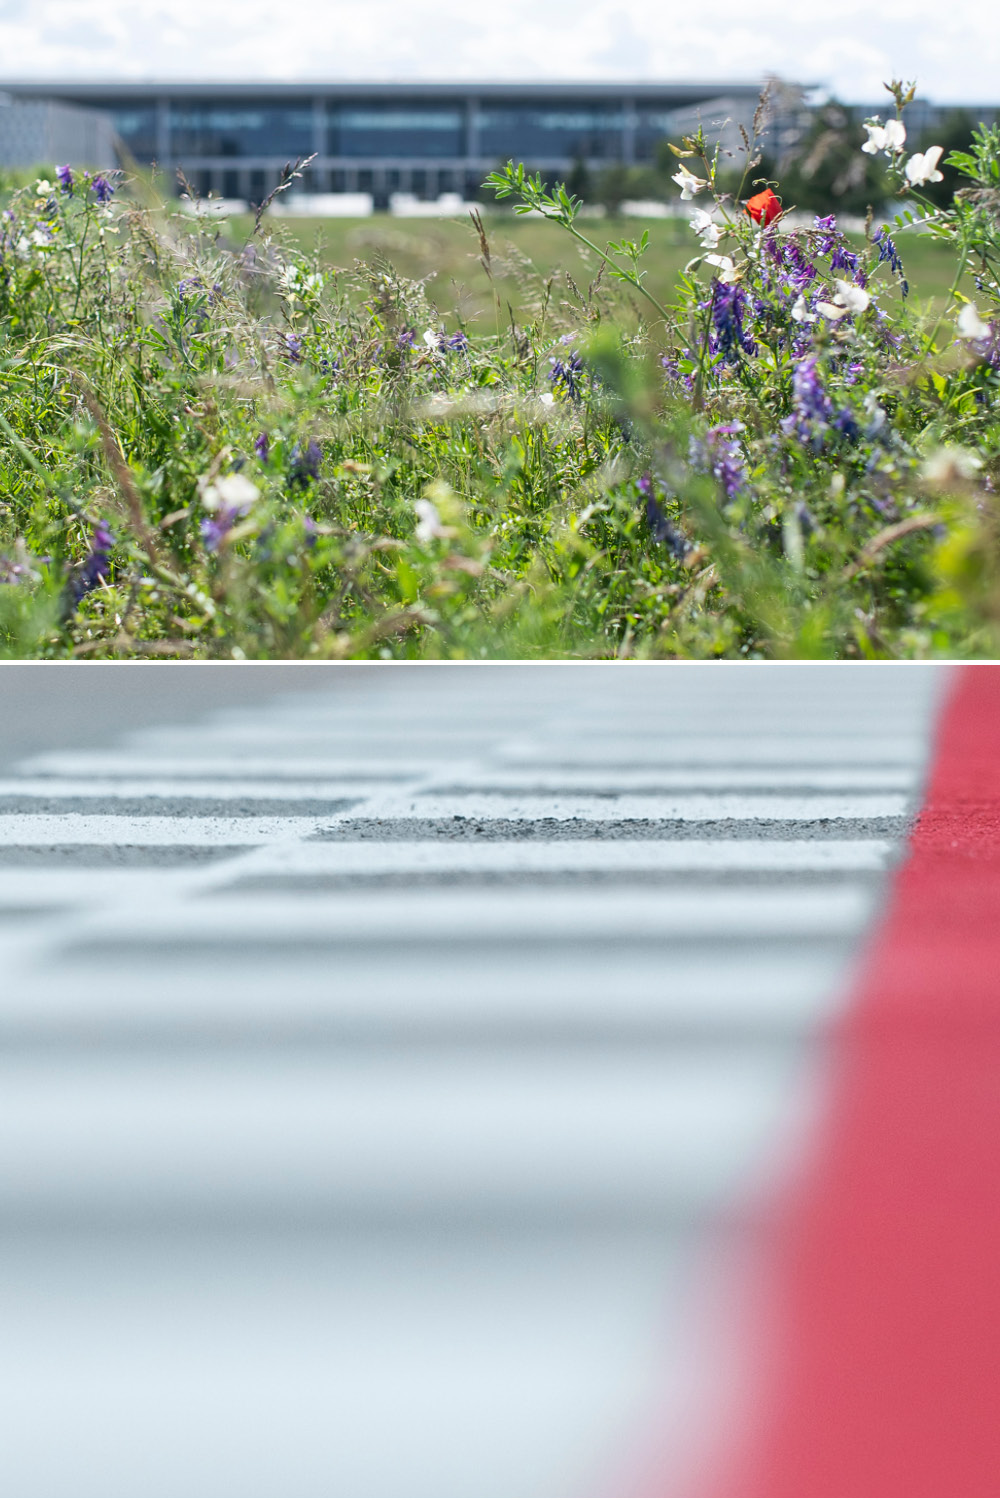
{"type": "Point", "coordinates": [429, 135]}
{"type": "Point", "coordinates": [240, 130]}
{"type": "Point", "coordinates": [538, 134]}
{"type": "Point", "coordinates": [392, 130]}
{"type": "Point", "coordinates": [136, 124]}
{"type": "Point", "coordinates": [651, 127]}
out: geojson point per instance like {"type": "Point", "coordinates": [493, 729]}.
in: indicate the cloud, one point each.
{"type": "Point", "coordinates": [953, 51]}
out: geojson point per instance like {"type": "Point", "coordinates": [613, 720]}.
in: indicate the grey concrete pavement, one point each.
{"type": "Point", "coordinates": [383, 1062]}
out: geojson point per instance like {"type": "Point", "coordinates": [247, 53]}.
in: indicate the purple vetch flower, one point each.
{"type": "Point", "coordinates": [728, 310]}
{"type": "Point", "coordinates": [215, 528]}
{"type": "Point", "coordinates": [293, 348]}
{"type": "Point", "coordinates": [826, 237]}
{"type": "Point", "coordinates": [718, 453]}
{"type": "Point", "coordinates": [262, 446]}
{"type": "Point", "coordinates": [812, 410]}
{"type": "Point", "coordinates": [227, 499]}
{"type": "Point", "coordinates": [96, 566]}
{"type": "Point", "coordinates": [102, 189]}
{"type": "Point", "coordinates": [660, 528]}
{"type": "Point", "coordinates": [457, 341]}
{"type": "Point", "coordinates": [887, 252]}
{"type": "Point", "coordinates": [843, 259]}
{"type": "Point", "coordinates": [567, 374]}
{"type": "Point", "coordinates": [813, 416]}
{"type": "Point", "coordinates": [406, 338]}
{"type": "Point", "coordinates": [304, 464]}
{"type": "Point", "coordinates": [65, 176]}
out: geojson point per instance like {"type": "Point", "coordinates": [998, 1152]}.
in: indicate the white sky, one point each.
{"type": "Point", "coordinates": [952, 47]}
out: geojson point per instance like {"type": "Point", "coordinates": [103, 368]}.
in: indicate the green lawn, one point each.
{"type": "Point", "coordinates": [447, 251]}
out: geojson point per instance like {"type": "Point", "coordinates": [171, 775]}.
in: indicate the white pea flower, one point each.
{"type": "Point", "coordinates": [922, 166]}
{"type": "Point", "coordinates": [688, 183]}
{"type": "Point", "coordinates": [428, 521]}
{"type": "Point", "coordinates": [831, 310]}
{"type": "Point", "coordinates": [727, 271]}
{"type": "Point", "coordinates": [800, 311]}
{"type": "Point", "coordinates": [889, 137]}
{"type": "Point", "coordinates": [547, 398]}
{"type": "Point", "coordinates": [705, 228]}
{"type": "Point", "coordinates": [847, 299]}
{"type": "Point", "coordinates": [854, 298]}
{"type": "Point", "coordinates": [231, 492]}
{"type": "Point", "coordinates": [432, 339]}
{"type": "Point", "coordinates": [970, 324]}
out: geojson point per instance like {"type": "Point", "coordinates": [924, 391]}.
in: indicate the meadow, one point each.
{"type": "Point", "coordinates": [423, 438]}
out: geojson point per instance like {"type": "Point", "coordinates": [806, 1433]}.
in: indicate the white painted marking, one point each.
{"type": "Point", "coordinates": [506, 915]}
{"type": "Point", "coordinates": [690, 807]}
{"type": "Point", "coordinates": [392, 1136]}
{"type": "Point", "coordinates": [739, 857]}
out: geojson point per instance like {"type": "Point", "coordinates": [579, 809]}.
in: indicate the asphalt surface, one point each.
{"type": "Point", "coordinates": [390, 1057]}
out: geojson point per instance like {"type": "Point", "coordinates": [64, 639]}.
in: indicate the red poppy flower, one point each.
{"type": "Point", "coordinates": [763, 207]}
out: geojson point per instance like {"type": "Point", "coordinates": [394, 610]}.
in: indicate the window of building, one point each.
{"type": "Point", "coordinates": [237, 130]}
{"type": "Point", "coordinates": [136, 124]}
{"type": "Point", "coordinates": [391, 130]}
{"type": "Point", "coordinates": [538, 134]}
{"type": "Point", "coordinates": [651, 127]}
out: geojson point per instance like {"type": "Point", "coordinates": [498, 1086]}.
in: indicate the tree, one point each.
{"type": "Point", "coordinates": [828, 172]}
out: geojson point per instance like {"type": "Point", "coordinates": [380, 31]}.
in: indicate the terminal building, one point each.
{"type": "Point", "coordinates": [423, 139]}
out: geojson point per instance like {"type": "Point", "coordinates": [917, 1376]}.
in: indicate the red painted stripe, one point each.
{"type": "Point", "coordinates": [883, 1374]}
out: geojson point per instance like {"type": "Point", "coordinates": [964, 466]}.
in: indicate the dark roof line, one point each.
{"type": "Point", "coordinates": [715, 88]}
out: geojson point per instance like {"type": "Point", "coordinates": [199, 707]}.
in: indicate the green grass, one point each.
{"type": "Point", "coordinates": [526, 251]}
{"type": "Point", "coordinates": [547, 487]}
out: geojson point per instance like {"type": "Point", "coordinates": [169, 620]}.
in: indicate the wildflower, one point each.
{"type": "Point", "coordinates": [812, 410]}
{"type": "Point", "coordinates": [231, 491]}
{"type": "Point", "coordinates": [546, 398]}
{"type": "Point", "coordinates": [660, 527]}
{"type": "Point", "coordinates": [887, 252]}
{"type": "Point", "coordinates": [827, 226]}
{"type": "Point", "coordinates": [227, 499]}
{"type": "Point", "coordinates": [304, 464]}
{"type": "Point", "coordinates": [293, 347]}
{"type": "Point", "coordinates": [705, 228]}
{"type": "Point", "coordinates": [970, 325]}
{"type": "Point", "coordinates": [922, 166]}
{"type": "Point", "coordinates": [102, 189]}
{"type": "Point", "coordinates": [688, 183]}
{"type": "Point", "coordinates": [854, 298]}
{"type": "Point", "coordinates": [889, 137]}
{"type": "Point", "coordinates": [728, 308]}
{"type": "Point", "coordinates": [848, 299]}
{"type": "Point", "coordinates": [432, 338]}
{"type": "Point", "coordinates": [406, 339]}
{"type": "Point", "coordinates": [95, 566]}
{"type": "Point", "coordinates": [458, 341]}
{"type": "Point", "coordinates": [718, 453]}
{"type": "Point", "coordinates": [216, 528]}
{"type": "Point", "coordinates": [727, 271]}
{"type": "Point", "coordinates": [763, 207]}
{"type": "Point", "coordinates": [18, 569]}
{"type": "Point", "coordinates": [843, 259]}
{"type": "Point", "coordinates": [800, 311]}
{"type": "Point", "coordinates": [262, 447]}
{"type": "Point", "coordinates": [428, 521]}
{"type": "Point", "coordinates": [567, 374]}
{"type": "Point", "coordinates": [65, 176]}
{"type": "Point", "coordinates": [813, 414]}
